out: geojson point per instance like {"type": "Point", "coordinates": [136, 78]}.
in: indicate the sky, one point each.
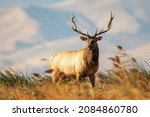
{"type": "Point", "coordinates": [35, 29]}
{"type": "Point", "coordinates": [27, 2]}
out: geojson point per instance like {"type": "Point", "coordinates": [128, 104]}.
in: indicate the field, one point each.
{"type": "Point", "coordinates": [128, 79]}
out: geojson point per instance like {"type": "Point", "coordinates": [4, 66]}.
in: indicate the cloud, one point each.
{"type": "Point", "coordinates": [15, 25]}
{"type": "Point", "coordinates": [98, 12]}
{"type": "Point", "coordinates": [141, 52]}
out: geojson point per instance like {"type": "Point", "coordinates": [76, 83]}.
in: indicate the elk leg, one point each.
{"type": "Point", "coordinates": [61, 77]}
{"type": "Point", "coordinates": [78, 77]}
{"type": "Point", "coordinates": [54, 76]}
{"type": "Point", "coordinates": [92, 80]}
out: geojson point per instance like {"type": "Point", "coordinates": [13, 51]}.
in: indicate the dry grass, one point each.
{"type": "Point", "coordinates": [126, 80]}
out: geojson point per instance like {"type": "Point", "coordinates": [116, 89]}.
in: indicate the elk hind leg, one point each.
{"type": "Point", "coordinates": [92, 80]}
{"type": "Point", "coordinates": [78, 77]}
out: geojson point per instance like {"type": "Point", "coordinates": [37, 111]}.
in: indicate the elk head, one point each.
{"type": "Point", "coordinates": [91, 39]}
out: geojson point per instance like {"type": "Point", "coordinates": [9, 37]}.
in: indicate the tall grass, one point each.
{"type": "Point", "coordinates": [128, 79]}
{"type": "Point", "coordinates": [10, 77]}
{"type": "Point", "coordinates": [132, 78]}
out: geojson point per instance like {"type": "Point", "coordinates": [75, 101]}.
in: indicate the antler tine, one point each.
{"type": "Point", "coordinates": [109, 26]}
{"type": "Point", "coordinates": [88, 33]}
{"type": "Point", "coordinates": [74, 27]}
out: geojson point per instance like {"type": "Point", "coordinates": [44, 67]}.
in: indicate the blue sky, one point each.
{"type": "Point", "coordinates": [34, 29]}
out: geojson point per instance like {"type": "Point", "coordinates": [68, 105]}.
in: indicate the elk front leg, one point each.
{"type": "Point", "coordinates": [78, 77]}
{"type": "Point", "coordinates": [92, 80]}
{"type": "Point", "coordinates": [54, 76]}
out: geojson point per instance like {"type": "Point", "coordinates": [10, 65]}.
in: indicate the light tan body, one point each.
{"type": "Point", "coordinates": [74, 63]}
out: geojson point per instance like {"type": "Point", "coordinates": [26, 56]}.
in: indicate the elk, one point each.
{"type": "Point", "coordinates": [80, 63]}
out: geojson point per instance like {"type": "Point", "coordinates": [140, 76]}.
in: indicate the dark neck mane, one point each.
{"type": "Point", "coordinates": [92, 55]}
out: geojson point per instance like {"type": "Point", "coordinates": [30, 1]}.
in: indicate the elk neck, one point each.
{"type": "Point", "coordinates": [92, 54]}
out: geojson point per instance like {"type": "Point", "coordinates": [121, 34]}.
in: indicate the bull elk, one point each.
{"type": "Point", "coordinates": [79, 63]}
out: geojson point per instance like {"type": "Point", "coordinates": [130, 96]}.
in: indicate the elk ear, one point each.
{"type": "Point", "coordinates": [99, 38]}
{"type": "Point", "coordinates": [83, 38]}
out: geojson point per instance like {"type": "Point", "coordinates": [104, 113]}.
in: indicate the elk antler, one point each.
{"type": "Point", "coordinates": [74, 27]}
{"type": "Point", "coordinates": [109, 27]}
